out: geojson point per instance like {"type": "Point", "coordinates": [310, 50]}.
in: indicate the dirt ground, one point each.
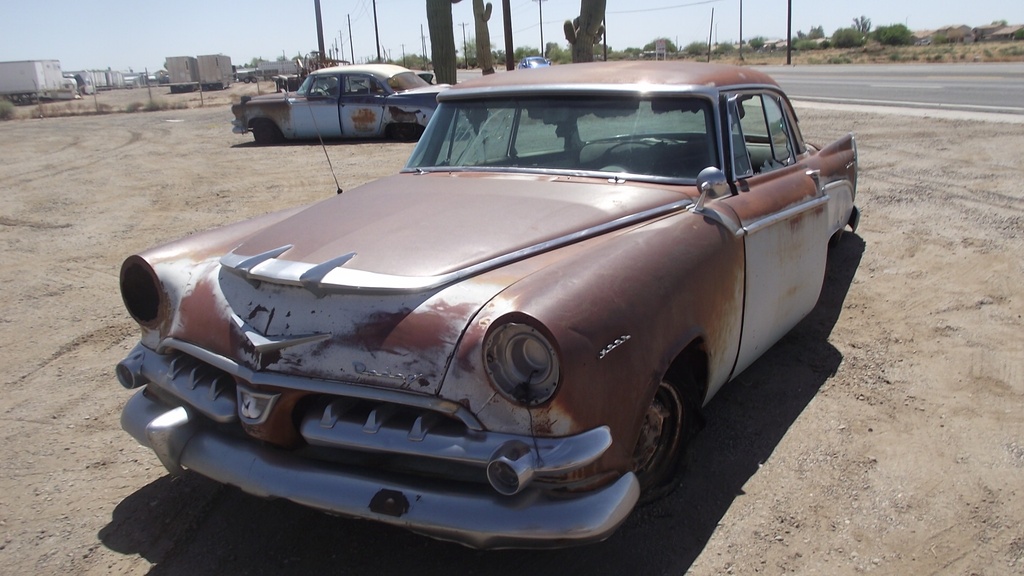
{"type": "Point", "coordinates": [884, 434]}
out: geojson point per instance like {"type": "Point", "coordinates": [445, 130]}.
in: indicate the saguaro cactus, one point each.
{"type": "Point", "coordinates": [484, 58]}
{"type": "Point", "coordinates": [586, 31]}
{"type": "Point", "coordinates": [442, 39]}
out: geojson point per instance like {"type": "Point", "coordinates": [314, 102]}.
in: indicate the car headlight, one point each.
{"type": "Point", "coordinates": [140, 290]}
{"type": "Point", "coordinates": [521, 363]}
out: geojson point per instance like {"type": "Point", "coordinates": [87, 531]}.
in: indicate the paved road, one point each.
{"type": "Point", "coordinates": [965, 87]}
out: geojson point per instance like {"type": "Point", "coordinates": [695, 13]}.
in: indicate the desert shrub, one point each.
{"type": "Point", "coordinates": [847, 38]}
{"type": "Point", "coordinates": [839, 60]}
{"type": "Point", "coordinates": [133, 107]}
{"type": "Point", "coordinates": [895, 35]}
{"type": "Point", "coordinates": [6, 109]}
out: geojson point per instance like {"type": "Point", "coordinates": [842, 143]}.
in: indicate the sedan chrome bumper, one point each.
{"type": "Point", "coordinates": [470, 514]}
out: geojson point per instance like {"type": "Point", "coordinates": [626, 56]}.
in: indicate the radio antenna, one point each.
{"type": "Point", "coordinates": [324, 148]}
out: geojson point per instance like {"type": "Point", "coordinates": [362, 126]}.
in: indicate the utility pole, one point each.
{"type": "Point", "coordinates": [351, 49]}
{"type": "Point", "coordinates": [423, 42]}
{"type": "Point", "coordinates": [403, 56]}
{"type": "Point", "coordinates": [465, 46]}
{"type": "Point", "coordinates": [341, 46]}
{"type": "Point", "coordinates": [789, 33]}
{"type": "Point", "coordinates": [510, 57]}
{"type": "Point", "coordinates": [376, 35]}
{"type": "Point", "coordinates": [741, 30]}
{"type": "Point", "coordinates": [710, 32]}
{"type": "Point", "coordinates": [540, 9]}
{"type": "Point", "coordinates": [320, 36]}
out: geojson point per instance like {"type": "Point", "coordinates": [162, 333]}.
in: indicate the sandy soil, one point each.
{"type": "Point", "coordinates": [884, 434]}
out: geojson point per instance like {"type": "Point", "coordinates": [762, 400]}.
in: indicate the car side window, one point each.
{"type": "Point", "coordinates": [740, 158]}
{"type": "Point", "coordinates": [357, 85]}
{"type": "Point", "coordinates": [765, 132]}
{"type": "Point", "coordinates": [324, 87]}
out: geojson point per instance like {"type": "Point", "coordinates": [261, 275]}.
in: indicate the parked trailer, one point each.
{"type": "Point", "coordinates": [184, 73]}
{"type": "Point", "coordinates": [215, 72]}
{"type": "Point", "coordinates": [28, 81]}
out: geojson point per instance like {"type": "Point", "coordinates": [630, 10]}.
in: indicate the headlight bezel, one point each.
{"type": "Point", "coordinates": [521, 360]}
{"type": "Point", "coordinates": [141, 291]}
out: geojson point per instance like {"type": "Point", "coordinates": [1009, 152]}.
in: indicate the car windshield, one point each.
{"type": "Point", "coordinates": [670, 137]}
{"type": "Point", "coordinates": [406, 81]}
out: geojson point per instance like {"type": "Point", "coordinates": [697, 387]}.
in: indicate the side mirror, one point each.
{"type": "Point", "coordinates": [711, 180]}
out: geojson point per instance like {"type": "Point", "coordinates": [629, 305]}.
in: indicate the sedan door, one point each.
{"type": "Point", "coordinates": [316, 115]}
{"type": "Point", "coordinates": [783, 213]}
{"type": "Point", "coordinates": [362, 106]}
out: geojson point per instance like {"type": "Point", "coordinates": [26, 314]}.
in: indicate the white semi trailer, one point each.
{"type": "Point", "coordinates": [28, 81]}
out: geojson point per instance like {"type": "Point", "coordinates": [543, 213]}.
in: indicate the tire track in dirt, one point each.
{"type": "Point", "coordinates": [91, 157]}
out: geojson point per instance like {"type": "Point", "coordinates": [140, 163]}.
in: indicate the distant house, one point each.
{"type": "Point", "coordinates": [923, 37]}
{"type": "Point", "coordinates": [959, 34]}
{"type": "Point", "coordinates": [996, 32]}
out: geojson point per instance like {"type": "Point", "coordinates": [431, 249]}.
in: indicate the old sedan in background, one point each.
{"type": "Point", "coordinates": [509, 343]}
{"type": "Point", "coordinates": [371, 101]}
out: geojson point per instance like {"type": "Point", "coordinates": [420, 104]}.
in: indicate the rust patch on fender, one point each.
{"type": "Point", "coordinates": [400, 115]}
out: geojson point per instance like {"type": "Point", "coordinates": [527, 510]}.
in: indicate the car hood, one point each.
{"type": "Point", "coordinates": [431, 225]}
{"type": "Point", "coordinates": [377, 285]}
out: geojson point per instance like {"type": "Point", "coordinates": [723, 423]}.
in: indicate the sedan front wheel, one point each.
{"type": "Point", "coordinates": [661, 444]}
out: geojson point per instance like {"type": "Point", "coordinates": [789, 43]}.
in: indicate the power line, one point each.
{"type": "Point", "coordinates": [665, 7]}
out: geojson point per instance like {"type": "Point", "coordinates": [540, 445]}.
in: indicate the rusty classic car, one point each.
{"type": "Point", "coordinates": [509, 343]}
{"type": "Point", "coordinates": [371, 101]}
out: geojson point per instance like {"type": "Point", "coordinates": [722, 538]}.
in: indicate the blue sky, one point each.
{"type": "Point", "coordinates": [123, 34]}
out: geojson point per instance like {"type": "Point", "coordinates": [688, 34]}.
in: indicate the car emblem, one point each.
{"type": "Point", "coordinates": [254, 407]}
{"type": "Point", "coordinates": [618, 342]}
{"type": "Point", "coordinates": [263, 343]}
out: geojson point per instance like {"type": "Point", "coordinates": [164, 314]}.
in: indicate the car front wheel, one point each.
{"type": "Point", "coordinates": [265, 132]}
{"type": "Point", "coordinates": [662, 442]}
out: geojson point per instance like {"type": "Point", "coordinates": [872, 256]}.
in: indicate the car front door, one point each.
{"type": "Point", "coordinates": [316, 115]}
{"type": "Point", "coordinates": [784, 218]}
{"type": "Point", "coordinates": [362, 106]}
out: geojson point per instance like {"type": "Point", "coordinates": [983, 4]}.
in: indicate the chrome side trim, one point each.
{"type": "Point", "coordinates": [326, 277]}
{"type": "Point", "coordinates": [470, 514]}
{"type": "Point", "coordinates": [786, 214]}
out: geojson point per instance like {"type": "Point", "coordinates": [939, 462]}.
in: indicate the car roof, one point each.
{"type": "Point", "coordinates": [382, 70]}
{"type": "Point", "coordinates": [623, 76]}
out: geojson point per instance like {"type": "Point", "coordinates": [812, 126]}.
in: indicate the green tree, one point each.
{"type": "Point", "coordinates": [847, 38]}
{"type": "Point", "coordinates": [724, 49]}
{"type": "Point", "coordinates": [697, 48]}
{"type": "Point", "coordinates": [557, 54]}
{"type": "Point", "coordinates": [816, 33]}
{"type": "Point", "coordinates": [756, 43]}
{"type": "Point", "coordinates": [894, 35]}
{"type": "Point", "coordinates": [670, 46]}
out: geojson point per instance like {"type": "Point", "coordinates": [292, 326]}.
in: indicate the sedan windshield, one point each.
{"type": "Point", "coordinates": [669, 137]}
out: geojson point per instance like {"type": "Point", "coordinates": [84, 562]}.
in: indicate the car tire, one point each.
{"type": "Point", "coordinates": [668, 424]}
{"type": "Point", "coordinates": [405, 132]}
{"type": "Point", "coordinates": [835, 239]}
{"type": "Point", "coordinates": [265, 132]}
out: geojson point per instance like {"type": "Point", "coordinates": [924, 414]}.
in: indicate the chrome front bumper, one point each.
{"type": "Point", "coordinates": [471, 514]}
